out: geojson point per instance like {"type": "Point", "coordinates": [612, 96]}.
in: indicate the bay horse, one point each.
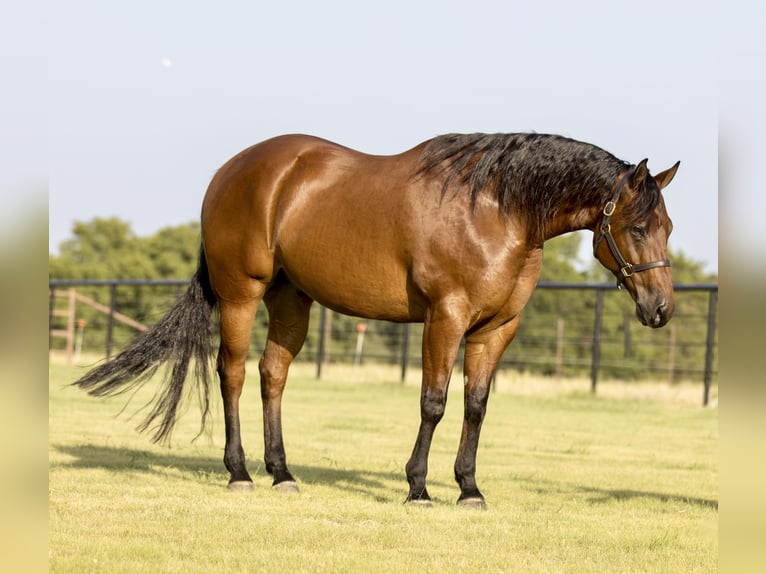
{"type": "Point", "coordinates": [449, 233]}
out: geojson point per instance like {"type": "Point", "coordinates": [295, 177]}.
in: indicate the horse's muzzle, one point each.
{"type": "Point", "coordinates": [656, 314]}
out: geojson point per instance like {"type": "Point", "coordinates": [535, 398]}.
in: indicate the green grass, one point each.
{"type": "Point", "coordinates": [574, 483]}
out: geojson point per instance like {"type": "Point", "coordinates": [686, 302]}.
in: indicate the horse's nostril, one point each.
{"type": "Point", "coordinates": [659, 314]}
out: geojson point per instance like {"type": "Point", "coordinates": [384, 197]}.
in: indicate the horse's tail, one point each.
{"type": "Point", "coordinates": [183, 335]}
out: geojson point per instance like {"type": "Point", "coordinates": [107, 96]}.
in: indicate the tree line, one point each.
{"type": "Point", "coordinates": [555, 335]}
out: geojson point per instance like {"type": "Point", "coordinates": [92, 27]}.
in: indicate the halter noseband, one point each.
{"type": "Point", "coordinates": [605, 232]}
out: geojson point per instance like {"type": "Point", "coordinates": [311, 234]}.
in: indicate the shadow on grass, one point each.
{"type": "Point", "coordinates": [602, 495]}
{"type": "Point", "coordinates": [606, 495]}
{"type": "Point", "coordinates": [383, 486]}
{"type": "Point", "coordinates": [119, 459]}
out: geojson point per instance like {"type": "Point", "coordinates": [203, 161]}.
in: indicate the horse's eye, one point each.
{"type": "Point", "coordinates": [638, 232]}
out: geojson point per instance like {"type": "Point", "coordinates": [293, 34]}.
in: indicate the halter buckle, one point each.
{"type": "Point", "coordinates": [627, 270]}
{"type": "Point", "coordinates": [609, 208]}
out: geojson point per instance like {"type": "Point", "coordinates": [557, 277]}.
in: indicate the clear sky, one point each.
{"type": "Point", "coordinates": [148, 98]}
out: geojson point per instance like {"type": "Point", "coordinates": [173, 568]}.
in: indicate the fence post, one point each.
{"type": "Point", "coordinates": [672, 354]}
{"type": "Point", "coordinates": [110, 318]}
{"type": "Point", "coordinates": [321, 345]}
{"type": "Point", "coordinates": [626, 322]}
{"type": "Point", "coordinates": [405, 349]}
{"type": "Point", "coordinates": [51, 309]}
{"type": "Point", "coordinates": [711, 310]}
{"type": "Point", "coordinates": [70, 325]}
{"type": "Point", "coordinates": [596, 356]}
{"type": "Point", "coordinates": [559, 347]}
{"type": "Point", "coordinates": [361, 329]}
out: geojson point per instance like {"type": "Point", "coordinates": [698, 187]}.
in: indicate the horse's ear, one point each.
{"type": "Point", "coordinates": [639, 174]}
{"type": "Point", "coordinates": [665, 177]}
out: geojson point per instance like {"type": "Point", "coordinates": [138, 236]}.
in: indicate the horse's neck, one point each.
{"type": "Point", "coordinates": [569, 205]}
{"type": "Point", "coordinates": [568, 218]}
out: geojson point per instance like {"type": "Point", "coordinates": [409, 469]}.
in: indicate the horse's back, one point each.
{"type": "Point", "coordinates": [337, 222]}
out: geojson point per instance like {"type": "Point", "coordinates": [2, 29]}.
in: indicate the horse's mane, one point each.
{"type": "Point", "coordinates": [531, 174]}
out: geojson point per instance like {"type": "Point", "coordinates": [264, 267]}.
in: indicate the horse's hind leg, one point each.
{"type": "Point", "coordinates": [288, 325]}
{"type": "Point", "coordinates": [236, 323]}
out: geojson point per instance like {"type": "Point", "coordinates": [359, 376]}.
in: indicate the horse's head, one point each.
{"type": "Point", "coordinates": [631, 240]}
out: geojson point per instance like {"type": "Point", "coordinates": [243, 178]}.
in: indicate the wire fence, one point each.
{"type": "Point", "coordinates": [567, 330]}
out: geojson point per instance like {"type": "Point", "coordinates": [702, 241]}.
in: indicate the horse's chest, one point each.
{"type": "Point", "coordinates": [521, 282]}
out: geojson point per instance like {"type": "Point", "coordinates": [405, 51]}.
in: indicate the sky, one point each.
{"type": "Point", "coordinates": [147, 99]}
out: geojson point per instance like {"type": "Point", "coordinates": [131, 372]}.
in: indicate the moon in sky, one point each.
{"type": "Point", "coordinates": [167, 62]}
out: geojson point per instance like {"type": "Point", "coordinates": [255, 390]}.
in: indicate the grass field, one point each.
{"type": "Point", "coordinates": [574, 483]}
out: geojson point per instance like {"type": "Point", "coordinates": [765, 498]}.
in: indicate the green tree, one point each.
{"type": "Point", "coordinates": [173, 251]}
{"type": "Point", "coordinates": [101, 249]}
{"type": "Point", "coordinates": [107, 248]}
{"type": "Point", "coordinates": [560, 256]}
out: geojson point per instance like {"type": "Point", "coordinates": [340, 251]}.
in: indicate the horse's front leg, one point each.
{"type": "Point", "coordinates": [482, 354]}
{"type": "Point", "coordinates": [443, 330]}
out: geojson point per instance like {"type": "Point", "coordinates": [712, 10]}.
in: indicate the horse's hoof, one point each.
{"type": "Point", "coordinates": [289, 486]}
{"type": "Point", "coordinates": [474, 502]}
{"type": "Point", "coordinates": [240, 486]}
{"type": "Point", "coordinates": [419, 503]}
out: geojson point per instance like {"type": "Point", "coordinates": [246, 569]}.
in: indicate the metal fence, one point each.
{"type": "Point", "coordinates": [585, 329]}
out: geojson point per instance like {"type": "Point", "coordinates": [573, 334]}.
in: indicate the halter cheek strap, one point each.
{"type": "Point", "coordinates": [605, 232]}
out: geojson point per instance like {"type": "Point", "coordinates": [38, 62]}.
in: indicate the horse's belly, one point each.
{"type": "Point", "coordinates": [354, 287]}
{"type": "Point", "coordinates": [351, 274]}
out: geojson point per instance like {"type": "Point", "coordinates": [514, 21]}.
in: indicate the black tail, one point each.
{"type": "Point", "coordinates": [183, 335]}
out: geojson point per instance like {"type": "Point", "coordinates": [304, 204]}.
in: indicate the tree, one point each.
{"type": "Point", "coordinates": [101, 249]}
{"type": "Point", "coordinates": [560, 255]}
{"type": "Point", "coordinates": [173, 251]}
{"type": "Point", "coordinates": [107, 248]}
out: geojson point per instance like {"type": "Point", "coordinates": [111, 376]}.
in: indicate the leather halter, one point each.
{"type": "Point", "coordinates": [605, 232]}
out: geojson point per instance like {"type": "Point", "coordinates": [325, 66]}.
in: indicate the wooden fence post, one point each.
{"type": "Point", "coordinates": [672, 354]}
{"type": "Point", "coordinates": [321, 345]}
{"type": "Point", "coordinates": [710, 344]}
{"type": "Point", "coordinates": [559, 347]}
{"type": "Point", "coordinates": [596, 354]}
{"type": "Point", "coordinates": [405, 349]}
{"type": "Point", "coordinates": [110, 318]}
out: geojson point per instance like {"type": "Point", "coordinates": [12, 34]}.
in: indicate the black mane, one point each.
{"type": "Point", "coordinates": [532, 174]}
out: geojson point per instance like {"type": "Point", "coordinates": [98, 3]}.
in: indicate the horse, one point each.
{"type": "Point", "coordinates": [449, 233]}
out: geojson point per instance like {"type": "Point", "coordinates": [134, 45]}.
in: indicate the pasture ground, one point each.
{"type": "Point", "coordinates": [624, 481]}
